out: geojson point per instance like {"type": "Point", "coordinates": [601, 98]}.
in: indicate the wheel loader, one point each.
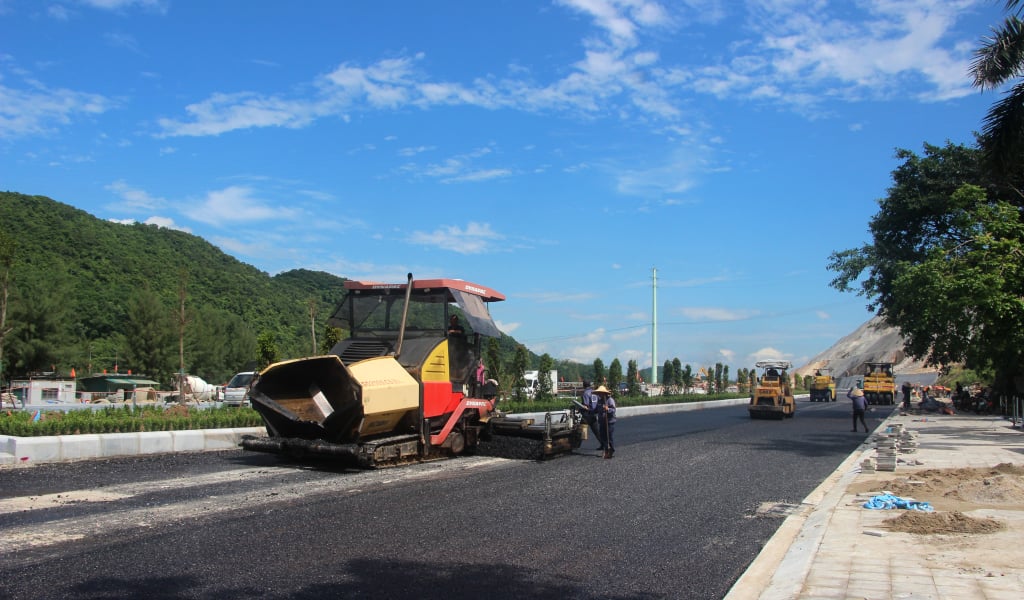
{"type": "Point", "coordinates": [402, 387]}
{"type": "Point", "coordinates": [823, 386]}
{"type": "Point", "coordinates": [879, 383]}
{"type": "Point", "coordinates": [772, 398]}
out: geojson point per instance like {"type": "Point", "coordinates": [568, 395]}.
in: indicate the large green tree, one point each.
{"type": "Point", "coordinates": [946, 263]}
{"type": "Point", "coordinates": [632, 376]}
{"type": "Point", "coordinates": [600, 375]}
{"type": "Point", "coordinates": [493, 361]}
{"type": "Point", "coordinates": [998, 60]}
{"type": "Point", "coordinates": [544, 368]}
{"type": "Point", "coordinates": [7, 249]}
{"type": "Point", "coordinates": [614, 375]}
{"type": "Point", "coordinates": [518, 375]}
{"type": "Point", "coordinates": [668, 374]}
{"type": "Point", "coordinates": [218, 345]}
{"type": "Point", "coordinates": [686, 378]}
{"type": "Point", "coordinates": [39, 311]}
{"type": "Point", "coordinates": [149, 340]}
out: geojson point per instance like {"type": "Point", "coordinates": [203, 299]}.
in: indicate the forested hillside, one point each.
{"type": "Point", "coordinates": [83, 291]}
{"type": "Point", "coordinates": [91, 294]}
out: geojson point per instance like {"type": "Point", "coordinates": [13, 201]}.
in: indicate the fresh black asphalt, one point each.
{"type": "Point", "coordinates": [672, 515]}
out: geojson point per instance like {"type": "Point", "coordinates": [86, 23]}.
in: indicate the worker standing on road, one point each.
{"type": "Point", "coordinates": [589, 401]}
{"type": "Point", "coordinates": [860, 406]}
{"type": "Point", "coordinates": [907, 390]}
{"type": "Point", "coordinates": [605, 411]}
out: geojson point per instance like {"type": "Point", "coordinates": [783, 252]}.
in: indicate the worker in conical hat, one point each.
{"type": "Point", "coordinates": [605, 411]}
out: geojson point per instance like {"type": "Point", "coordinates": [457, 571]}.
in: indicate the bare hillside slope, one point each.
{"type": "Point", "coordinates": [874, 341]}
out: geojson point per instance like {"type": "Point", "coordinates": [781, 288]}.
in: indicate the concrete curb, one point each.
{"type": "Point", "coordinates": [780, 569]}
{"type": "Point", "coordinates": [61, 448]}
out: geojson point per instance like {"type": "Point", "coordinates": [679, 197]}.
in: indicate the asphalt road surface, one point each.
{"type": "Point", "coordinates": [674, 515]}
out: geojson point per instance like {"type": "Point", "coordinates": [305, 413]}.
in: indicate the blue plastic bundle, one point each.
{"type": "Point", "coordinates": [890, 502]}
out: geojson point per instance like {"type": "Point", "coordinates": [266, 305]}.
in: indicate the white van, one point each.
{"type": "Point", "coordinates": [236, 392]}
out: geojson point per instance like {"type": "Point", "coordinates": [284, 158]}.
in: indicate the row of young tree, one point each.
{"type": "Point", "coordinates": [676, 378]}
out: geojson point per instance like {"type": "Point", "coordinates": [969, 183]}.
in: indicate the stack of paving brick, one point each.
{"type": "Point", "coordinates": [908, 442]}
{"type": "Point", "coordinates": [867, 465]}
{"type": "Point", "coordinates": [886, 448]}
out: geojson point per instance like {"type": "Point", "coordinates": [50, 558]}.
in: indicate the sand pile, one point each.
{"type": "Point", "coordinates": [952, 492]}
{"type": "Point", "coordinates": [935, 523]}
{"type": "Point", "coordinates": [1001, 486]}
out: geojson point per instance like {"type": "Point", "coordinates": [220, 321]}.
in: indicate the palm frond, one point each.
{"type": "Point", "coordinates": [1001, 56]}
{"type": "Point", "coordinates": [1002, 136]}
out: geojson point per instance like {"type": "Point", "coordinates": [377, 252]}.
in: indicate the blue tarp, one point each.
{"type": "Point", "coordinates": [889, 502]}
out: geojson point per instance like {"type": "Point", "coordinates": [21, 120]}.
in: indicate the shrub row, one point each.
{"type": "Point", "coordinates": [124, 420]}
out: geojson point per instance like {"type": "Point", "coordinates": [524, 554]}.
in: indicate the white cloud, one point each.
{"type": "Point", "coordinates": [715, 314]}
{"type": "Point", "coordinates": [158, 5]}
{"type": "Point", "coordinates": [769, 353]}
{"type": "Point", "coordinates": [630, 334]}
{"type": "Point", "coordinates": [165, 222]}
{"type": "Point", "coordinates": [506, 328]}
{"type": "Point", "coordinates": [476, 238]}
{"type": "Point", "coordinates": [40, 110]}
{"type": "Point", "coordinates": [891, 48]}
{"type": "Point", "coordinates": [481, 175]}
{"type": "Point", "coordinates": [573, 297]}
{"type": "Point", "coordinates": [797, 54]}
{"type": "Point", "coordinates": [242, 248]}
{"type": "Point", "coordinates": [586, 353]}
{"type": "Point", "coordinates": [414, 151]}
{"type": "Point", "coordinates": [56, 11]}
{"type": "Point", "coordinates": [233, 205]}
{"type": "Point", "coordinates": [222, 113]}
{"type": "Point", "coordinates": [122, 40]}
{"type": "Point", "coordinates": [134, 199]}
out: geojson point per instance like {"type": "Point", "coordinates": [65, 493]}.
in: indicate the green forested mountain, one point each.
{"type": "Point", "coordinates": [82, 286]}
{"type": "Point", "coordinates": [90, 294]}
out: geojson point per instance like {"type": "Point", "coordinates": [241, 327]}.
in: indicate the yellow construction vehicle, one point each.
{"type": "Point", "coordinates": [773, 397]}
{"type": "Point", "coordinates": [401, 387]}
{"type": "Point", "coordinates": [823, 386]}
{"type": "Point", "coordinates": [879, 383]}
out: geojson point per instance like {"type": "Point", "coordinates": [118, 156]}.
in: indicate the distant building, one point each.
{"type": "Point", "coordinates": [107, 383]}
{"type": "Point", "coordinates": [44, 390]}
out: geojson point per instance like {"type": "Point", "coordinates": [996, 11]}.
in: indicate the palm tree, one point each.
{"type": "Point", "coordinates": [998, 60]}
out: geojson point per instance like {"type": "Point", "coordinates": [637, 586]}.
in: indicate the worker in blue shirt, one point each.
{"type": "Point", "coordinates": [589, 401]}
{"type": "Point", "coordinates": [604, 410]}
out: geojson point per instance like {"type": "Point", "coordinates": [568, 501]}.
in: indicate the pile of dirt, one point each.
{"type": "Point", "coordinates": [953, 489]}
{"type": "Point", "coordinates": [923, 523]}
{"type": "Point", "coordinates": [952, 492]}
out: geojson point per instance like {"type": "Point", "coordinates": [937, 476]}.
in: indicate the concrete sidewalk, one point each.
{"type": "Point", "coordinates": [834, 548]}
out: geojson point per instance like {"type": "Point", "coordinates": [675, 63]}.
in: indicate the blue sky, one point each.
{"type": "Point", "coordinates": [555, 150]}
